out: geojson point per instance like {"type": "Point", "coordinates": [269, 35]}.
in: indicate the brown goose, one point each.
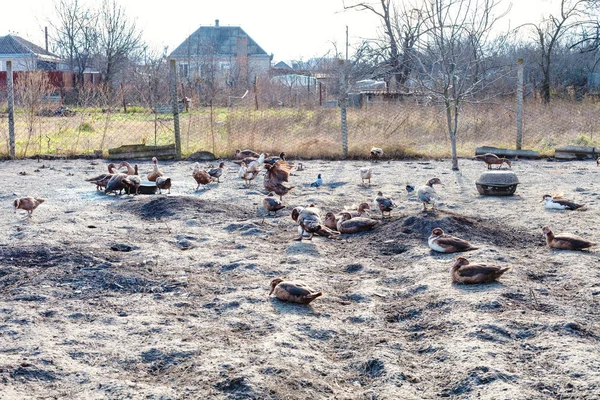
{"type": "Point", "coordinates": [28, 204]}
{"type": "Point", "coordinates": [130, 170]}
{"type": "Point", "coordinates": [440, 242]}
{"type": "Point", "coordinates": [293, 291]}
{"type": "Point", "coordinates": [465, 272]}
{"type": "Point", "coordinates": [156, 172]}
{"type": "Point", "coordinates": [492, 159]}
{"type": "Point", "coordinates": [565, 241]}
{"type": "Point", "coordinates": [347, 224]}
{"type": "Point", "coordinates": [101, 180]}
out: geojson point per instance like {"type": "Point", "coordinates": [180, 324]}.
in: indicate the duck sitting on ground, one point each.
{"type": "Point", "coordinates": [348, 224]}
{"type": "Point", "coordinates": [560, 203]}
{"type": "Point", "coordinates": [156, 172]}
{"type": "Point", "coordinates": [27, 203]}
{"type": "Point", "coordinates": [217, 172]}
{"type": "Point", "coordinates": [309, 222]}
{"type": "Point", "coordinates": [361, 211]}
{"type": "Point", "coordinates": [241, 154]}
{"type": "Point", "coordinates": [427, 193]}
{"type": "Point", "coordinates": [492, 159]}
{"type": "Point", "coordinates": [565, 241]}
{"type": "Point", "coordinates": [293, 291]}
{"type": "Point", "coordinates": [443, 243]}
{"type": "Point", "coordinates": [365, 174]}
{"type": "Point", "coordinates": [465, 272]}
{"type": "Point", "coordinates": [331, 220]}
{"type": "Point", "coordinates": [384, 204]}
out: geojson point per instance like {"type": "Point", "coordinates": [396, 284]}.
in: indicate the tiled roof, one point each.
{"type": "Point", "coordinates": [217, 40]}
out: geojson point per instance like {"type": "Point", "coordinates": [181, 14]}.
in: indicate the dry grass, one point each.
{"type": "Point", "coordinates": [401, 129]}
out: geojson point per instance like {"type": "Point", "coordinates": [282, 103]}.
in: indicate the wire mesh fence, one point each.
{"type": "Point", "coordinates": [306, 128]}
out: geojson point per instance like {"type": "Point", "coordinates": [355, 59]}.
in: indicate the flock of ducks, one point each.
{"type": "Point", "coordinates": [310, 221]}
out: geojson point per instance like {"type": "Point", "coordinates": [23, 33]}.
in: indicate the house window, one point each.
{"type": "Point", "coordinates": [184, 70]}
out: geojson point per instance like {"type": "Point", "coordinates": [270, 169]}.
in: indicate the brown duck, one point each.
{"type": "Point", "coordinates": [492, 159]}
{"type": "Point", "coordinates": [309, 221]}
{"type": "Point", "coordinates": [28, 204]}
{"type": "Point", "coordinates": [361, 211]}
{"type": "Point", "coordinates": [163, 183]}
{"type": "Point", "coordinates": [465, 272]}
{"type": "Point", "coordinates": [101, 180]}
{"type": "Point", "coordinates": [241, 154]}
{"type": "Point", "coordinates": [443, 243]}
{"type": "Point", "coordinates": [293, 291]}
{"type": "Point", "coordinates": [156, 172]}
{"type": "Point", "coordinates": [201, 176]}
{"type": "Point", "coordinates": [331, 220]}
{"type": "Point", "coordinates": [271, 205]}
{"type": "Point", "coordinates": [565, 241]}
{"type": "Point", "coordinates": [347, 224]}
{"type": "Point", "coordinates": [130, 169]}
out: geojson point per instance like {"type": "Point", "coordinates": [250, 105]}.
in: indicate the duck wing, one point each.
{"type": "Point", "coordinates": [571, 205]}
{"type": "Point", "coordinates": [478, 269]}
{"type": "Point", "coordinates": [426, 194]}
{"type": "Point", "coordinates": [451, 241]}
{"type": "Point", "coordinates": [574, 241]}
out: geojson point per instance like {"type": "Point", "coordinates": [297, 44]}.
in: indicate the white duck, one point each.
{"type": "Point", "coordinates": [427, 193]}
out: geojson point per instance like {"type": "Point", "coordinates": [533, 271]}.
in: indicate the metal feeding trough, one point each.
{"type": "Point", "coordinates": [147, 187]}
{"type": "Point", "coordinates": [497, 183]}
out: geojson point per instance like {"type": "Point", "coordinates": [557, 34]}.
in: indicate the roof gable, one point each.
{"type": "Point", "coordinates": [11, 44]}
{"type": "Point", "coordinates": [217, 40]}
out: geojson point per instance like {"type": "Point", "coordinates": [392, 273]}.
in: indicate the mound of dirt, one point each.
{"type": "Point", "coordinates": [183, 207]}
{"type": "Point", "coordinates": [474, 229]}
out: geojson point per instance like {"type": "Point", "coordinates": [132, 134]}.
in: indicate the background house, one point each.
{"type": "Point", "coordinates": [222, 55]}
{"type": "Point", "coordinates": [27, 56]}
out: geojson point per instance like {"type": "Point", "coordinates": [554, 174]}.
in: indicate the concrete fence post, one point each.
{"type": "Point", "coordinates": [519, 103]}
{"type": "Point", "coordinates": [11, 109]}
{"type": "Point", "coordinates": [175, 109]}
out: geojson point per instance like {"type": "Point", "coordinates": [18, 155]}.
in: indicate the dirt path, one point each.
{"type": "Point", "coordinates": [165, 297]}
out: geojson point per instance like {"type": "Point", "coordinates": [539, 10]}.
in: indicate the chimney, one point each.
{"type": "Point", "coordinates": [216, 23]}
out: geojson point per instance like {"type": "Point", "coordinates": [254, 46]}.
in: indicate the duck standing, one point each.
{"type": "Point", "coordinates": [384, 204]}
{"type": "Point", "coordinates": [101, 180]}
{"type": "Point", "coordinates": [365, 174]}
{"type": "Point", "coordinates": [559, 203]}
{"type": "Point", "coordinates": [163, 183]}
{"type": "Point", "coordinates": [443, 243]}
{"type": "Point", "coordinates": [565, 241]}
{"type": "Point", "coordinates": [201, 176]}
{"type": "Point", "coordinates": [465, 272]}
{"type": "Point", "coordinates": [492, 159]}
{"type": "Point", "coordinates": [156, 172]}
{"type": "Point", "coordinates": [427, 193]}
{"type": "Point", "coordinates": [293, 291]}
{"type": "Point", "coordinates": [376, 153]}
{"type": "Point", "coordinates": [271, 205]}
{"type": "Point", "coordinates": [217, 172]}
{"type": "Point", "coordinates": [27, 203]}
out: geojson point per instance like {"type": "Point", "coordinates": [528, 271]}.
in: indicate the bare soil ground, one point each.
{"type": "Point", "coordinates": [165, 296]}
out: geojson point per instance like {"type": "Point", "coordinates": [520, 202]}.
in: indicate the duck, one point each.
{"type": "Point", "coordinates": [376, 153]}
{"type": "Point", "coordinates": [156, 172]}
{"type": "Point", "coordinates": [348, 224]}
{"type": "Point", "coordinates": [241, 154]}
{"type": "Point", "coordinates": [101, 180]}
{"type": "Point", "coordinates": [278, 171]}
{"type": "Point", "coordinates": [272, 205]}
{"type": "Point", "coordinates": [245, 174]}
{"type": "Point", "coordinates": [118, 182]}
{"type": "Point", "coordinates": [365, 174]}
{"type": "Point", "coordinates": [163, 183]}
{"type": "Point", "coordinates": [361, 211]}
{"type": "Point", "coordinates": [130, 170]}
{"type": "Point", "coordinates": [492, 159]}
{"type": "Point", "coordinates": [201, 176]}
{"type": "Point", "coordinates": [133, 182]}
{"type": "Point", "coordinates": [427, 193]}
{"type": "Point", "coordinates": [465, 272]}
{"type": "Point", "coordinates": [293, 291]}
{"type": "Point", "coordinates": [276, 175]}
{"type": "Point", "coordinates": [318, 182]}
{"type": "Point", "coordinates": [565, 241]}
{"type": "Point", "coordinates": [443, 243]}
{"type": "Point", "coordinates": [217, 172]}
{"type": "Point", "coordinates": [28, 203]}
{"type": "Point", "coordinates": [330, 220]}
{"type": "Point", "coordinates": [409, 188]}
{"type": "Point", "coordinates": [255, 166]}
{"type": "Point", "coordinates": [309, 222]}
{"type": "Point", "coordinates": [273, 160]}
{"type": "Point", "coordinates": [559, 203]}
{"type": "Point", "coordinates": [384, 204]}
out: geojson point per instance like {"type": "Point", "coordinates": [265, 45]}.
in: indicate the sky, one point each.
{"type": "Point", "coordinates": [288, 29]}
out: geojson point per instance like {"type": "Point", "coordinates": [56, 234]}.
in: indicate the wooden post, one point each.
{"type": "Point", "coordinates": [344, 129]}
{"type": "Point", "coordinates": [519, 103]}
{"type": "Point", "coordinates": [175, 108]}
{"type": "Point", "coordinates": [256, 93]}
{"type": "Point", "coordinates": [320, 94]}
{"type": "Point", "coordinates": [11, 108]}
{"type": "Point", "coordinates": [122, 97]}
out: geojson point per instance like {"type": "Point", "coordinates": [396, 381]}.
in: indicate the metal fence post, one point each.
{"type": "Point", "coordinates": [519, 103]}
{"type": "Point", "coordinates": [11, 109]}
{"type": "Point", "coordinates": [344, 128]}
{"type": "Point", "coordinates": [175, 109]}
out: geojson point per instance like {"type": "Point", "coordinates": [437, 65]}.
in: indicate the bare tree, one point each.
{"type": "Point", "coordinates": [451, 56]}
{"type": "Point", "coordinates": [31, 88]}
{"type": "Point", "coordinates": [74, 34]}
{"type": "Point", "coordinates": [118, 37]}
{"type": "Point", "coordinates": [552, 29]}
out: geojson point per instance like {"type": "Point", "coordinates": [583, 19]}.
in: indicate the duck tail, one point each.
{"type": "Point", "coordinates": [313, 296]}
{"type": "Point", "coordinates": [502, 271]}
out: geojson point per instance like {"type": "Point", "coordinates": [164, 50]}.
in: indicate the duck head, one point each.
{"type": "Point", "coordinates": [275, 282]}
{"type": "Point", "coordinates": [296, 213]}
{"type": "Point", "coordinates": [330, 216]}
{"type": "Point", "coordinates": [434, 181]}
{"type": "Point", "coordinates": [460, 261]}
{"type": "Point", "coordinates": [345, 216]}
{"type": "Point", "coordinates": [437, 232]}
{"type": "Point", "coordinates": [363, 206]}
{"type": "Point", "coordinates": [155, 160]}
{"type": "Point", "coordinates": [546, 198]}
{"type": "Point", "coordinates": [222, 165]}
{"type": "Point", "coordinates": [546, 231]}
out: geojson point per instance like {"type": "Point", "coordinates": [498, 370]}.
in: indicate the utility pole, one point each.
{"type": "Point", "coordinates": [519, 103]}
{"type": "Point", "coordinates": [11, 108]}
{"type": "Point", "coordinates": [175, 108]}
